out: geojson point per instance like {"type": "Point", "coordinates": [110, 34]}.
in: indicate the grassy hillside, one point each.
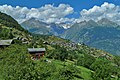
{"type": "Point", "coordinates": [9, 21]}
{"type": "Point", "coordinates": [10, 29]}
{"type": "Point", "coordinates": [62, 64]}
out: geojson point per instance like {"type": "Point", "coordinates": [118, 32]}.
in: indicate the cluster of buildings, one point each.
{"type": "Point", "coordinates": [37, 53]}
{"type": "Point", "coordinates": [71, 45]}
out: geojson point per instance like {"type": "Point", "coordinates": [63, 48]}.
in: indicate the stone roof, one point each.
{"type": "Point", "coordinates": [36, 49]}
{"type": "Point", "coordinates": [5, 42]}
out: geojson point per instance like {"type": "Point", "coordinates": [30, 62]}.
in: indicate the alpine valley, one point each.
{"type": "Point", "coordinates": [103, 34]}
{"type": "Point", "coordinates": [59, 40]}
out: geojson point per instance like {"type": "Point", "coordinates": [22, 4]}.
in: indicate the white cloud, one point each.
{"type": "Point", "coordinates": [106, 10]}
{"type": "Point", "coordinates": [47, 13]}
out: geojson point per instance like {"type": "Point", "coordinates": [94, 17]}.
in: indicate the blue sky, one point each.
{"type": "Point", "coordinates": [78, 5]}
{"type": "Point", "coordinates": [108, 10]}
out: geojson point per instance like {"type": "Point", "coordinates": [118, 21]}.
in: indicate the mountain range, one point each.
{"type": "Point", "coordinates": [103, 34]}
{"type": "Point", "coordinates": [38, 27]}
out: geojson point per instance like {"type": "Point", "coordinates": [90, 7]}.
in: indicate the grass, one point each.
{"type": "Point", "coordinates": [1, 77]}
{"type": "Point", "coordinates": [85, 73]}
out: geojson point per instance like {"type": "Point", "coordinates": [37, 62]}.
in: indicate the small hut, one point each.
{"type": "Point", "coordinates": [5, 43]}
{"type": "Point", "coordinates": [36, 53]}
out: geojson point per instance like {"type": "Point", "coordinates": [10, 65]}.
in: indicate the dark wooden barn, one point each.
{"type": "Point", "coordinates": [36, 53]}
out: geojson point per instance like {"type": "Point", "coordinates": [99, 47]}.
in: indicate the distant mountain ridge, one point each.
{"type": "Point", "coordinates": [107, 23]}
{"type": "Point", "coordinates": [38, 27]}
{"type": "Point", "coordinates": [103, 34]}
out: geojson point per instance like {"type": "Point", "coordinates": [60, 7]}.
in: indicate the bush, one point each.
{"type": "Point", "coordinates": [86, 60]}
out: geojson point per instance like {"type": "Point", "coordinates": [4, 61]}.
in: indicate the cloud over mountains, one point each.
{"type": "Point", "coordinates": [106, 10]}
{"type": "Point", "coordinates": [49, 13]}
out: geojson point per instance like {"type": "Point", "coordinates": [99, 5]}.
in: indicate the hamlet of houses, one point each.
{"type": "Point", "coordinates": [37, 53]}
{"type": "Point", "coordinates": [71, 45]}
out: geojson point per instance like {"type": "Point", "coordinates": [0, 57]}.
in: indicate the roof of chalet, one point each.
{"type": "Point", "coordinates": [5, 42]}
{"type": "Point", "coordinates": [36, 49]}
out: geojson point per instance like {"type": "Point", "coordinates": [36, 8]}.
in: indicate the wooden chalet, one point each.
{"type": "Point", "coordinates": [36, 53]}
{"type": "Point", "coordinates": [5, 43]}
